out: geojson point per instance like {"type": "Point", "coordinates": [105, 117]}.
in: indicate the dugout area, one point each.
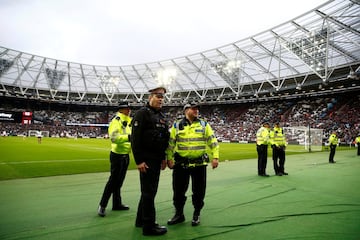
{"type": "Point", "coordinates": [317, 200]}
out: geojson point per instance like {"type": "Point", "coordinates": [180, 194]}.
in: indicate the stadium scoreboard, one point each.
{"type": "Point", "coordinates": [25, 117]}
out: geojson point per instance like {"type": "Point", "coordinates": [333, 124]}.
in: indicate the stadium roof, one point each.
{"type": "Point", "coordinates": [316, 50]}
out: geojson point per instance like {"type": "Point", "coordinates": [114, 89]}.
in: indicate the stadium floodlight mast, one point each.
{"type": "Point", "coordinates": [229, 70]}
{"type": "Point", "coordinates": [312, 49]}
{"type": "Point", "coordinates": [166, 77]}
{"type": "Point", "coordinates": [354, 74]}
{"type": "Point", "coordinates": [108, 85]}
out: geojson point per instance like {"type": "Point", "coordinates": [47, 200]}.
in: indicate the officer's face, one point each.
{"type": "Point", "coordinates": [125, 111]}
{"type": "Point", "coordinates": [192, 112]}
{"type": "Point", "coordinates": [156, 99]}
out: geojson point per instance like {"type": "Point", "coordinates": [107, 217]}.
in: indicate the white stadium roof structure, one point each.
{"type": "Point", "coordinates": [315, 53]}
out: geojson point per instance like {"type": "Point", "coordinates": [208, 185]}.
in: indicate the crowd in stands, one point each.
{"type": "Point", "coordinates": [236, 122]}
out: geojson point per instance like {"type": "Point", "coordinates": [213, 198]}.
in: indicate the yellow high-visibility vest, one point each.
{"type": "Point", "coordinates": [192, 140]}
{"type": "Point", "coordinates": [277, 137]}
{"type": "Point", "coordinates": [119, 131]}
{"type": "Point", "coordinates": [333, 139]}
{"type": "Point", "coordinates": [263, 136]}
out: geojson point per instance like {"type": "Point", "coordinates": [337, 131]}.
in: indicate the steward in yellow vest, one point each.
{"type": "Point", "coordinates": [278, 145]}
{"type": "Point", "coordinates": [357, 141]}
{"type": "Point", "coordinates": [333, 142]}
{"type": "Point", "coordinates": [262, 142]}
{"type": "Point", "coordinates": [119, 133]}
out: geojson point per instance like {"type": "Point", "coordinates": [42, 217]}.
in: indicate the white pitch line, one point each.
{"type": "Point", "coordinates": [52, 161]}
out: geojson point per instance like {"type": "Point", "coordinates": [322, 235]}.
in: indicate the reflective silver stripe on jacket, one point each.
{"type": "Point", "coordinates": [192, 148]}
{"type": "Point", "coordinates": [190, 139]}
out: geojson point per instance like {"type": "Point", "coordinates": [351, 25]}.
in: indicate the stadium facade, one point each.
{"type": "Point", "coordinates": [313, 54]}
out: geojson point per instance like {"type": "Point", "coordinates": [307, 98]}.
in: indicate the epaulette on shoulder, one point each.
{"type": "Point", "coordinates": [117, 118]}
{"type": "Point", "coordinates": [202, 122]}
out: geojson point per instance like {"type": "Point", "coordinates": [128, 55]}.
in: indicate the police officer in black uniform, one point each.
{"type": "Point", "coordinates": [149, 140]}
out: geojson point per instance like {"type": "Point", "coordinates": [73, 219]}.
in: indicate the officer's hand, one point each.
{"type": "Point", "coordinates": [170, 164]}
{"type": "Point", "coordinates": [163, 164]}
{"type": "Point", "coordinates": [142, 167]}
{"type": "Point", "coordinates": [215, 163]}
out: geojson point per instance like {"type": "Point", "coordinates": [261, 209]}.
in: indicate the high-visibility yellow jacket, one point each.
{"type": "Point", "coordinates": [333, 139]}
{"type": "Point", "coordinates": [119, 133]}
{"type": "Point", "coordinates": [263, 136]}
{"type": "Point", "coordinates": [357, 140]}
{"type": "Point", "coordinates": [277, 137]}
{"type": "Point", "coordinates": [192, 140]}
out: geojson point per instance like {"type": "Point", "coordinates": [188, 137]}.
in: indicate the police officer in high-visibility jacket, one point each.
{"type": "Point", "coordinates": [119, 133]}
{"type": "Point", "coordinates": [333, 142]}
{"type": "Point", "coordinates": [278, 145]}
{"type": "Point", "coordinates": [262, 142]}
{"type": "Point", "coordinates": [187, 155]}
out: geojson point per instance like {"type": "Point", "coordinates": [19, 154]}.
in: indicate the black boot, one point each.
{"type": "Point", "coordinates": [177, 218]}
{"type": "Point", "coordinates": [196, 218]}
{"type": "Point", "coordinates": [101, 211]}
{"type": "Point", "coordinates": [154, 230]}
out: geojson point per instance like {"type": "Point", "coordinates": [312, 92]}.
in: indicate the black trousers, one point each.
{"type": "Point", "coordinates": [149, 182]}
{"type": "Point", "coordinates": [181, 178]}
{"type": "Point", "coordinates": [262, 151]}
{"type": "Point", "coordinates": [332, 152]}
{"type": "Point", "coordinates": [278, 155]}
{"type": "Point", "coordinates": [358, 153]}
{"type": "Point", "coordinates": [118, 167]}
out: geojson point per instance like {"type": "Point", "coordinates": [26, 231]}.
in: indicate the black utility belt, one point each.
{"type": "Point", "coordinates": [121, 154]}
{"type": "Point", "coordinates": [191, 161]}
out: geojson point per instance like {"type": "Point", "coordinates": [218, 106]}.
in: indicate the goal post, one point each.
{"type": "Point", "coordinates": [34, 133]}
{"type": "Point", "coordinates": [308, 139]}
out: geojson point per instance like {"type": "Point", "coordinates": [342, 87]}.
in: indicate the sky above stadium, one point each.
{"type": "Point", "coordinates": [124, 32]}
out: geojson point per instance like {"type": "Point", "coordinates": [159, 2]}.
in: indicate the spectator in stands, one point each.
{"type": "Point", "coordinates": [262, 142]}
{"type": "Point", "coordinates": [333, 142]}
{"type": "Point", "coordinates": [119, 132]}
{"type": "Point", "coordinates": [278, 145]}
{"type": "Point", "coordinates": [357, 141]}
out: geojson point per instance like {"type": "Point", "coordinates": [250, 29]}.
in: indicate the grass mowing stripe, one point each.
{"type": "Point", "coordinates": [25, 158]}
{"type": "Point", "coordinates": [54, 161]}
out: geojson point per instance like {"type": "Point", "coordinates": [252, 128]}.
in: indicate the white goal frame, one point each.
{"type": "Point", "coordinates": [310, 138]}
{"type": "Point", "coordinates": [34, 133]}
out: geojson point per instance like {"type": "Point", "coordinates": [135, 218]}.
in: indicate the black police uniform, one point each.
{"type": "Point", "coordinates": [118, 167]}
{"type": "Point", "coordinates": [149, 140]}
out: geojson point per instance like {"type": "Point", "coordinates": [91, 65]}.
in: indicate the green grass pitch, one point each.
{"type": "Point", "coordinates": [26, 158]}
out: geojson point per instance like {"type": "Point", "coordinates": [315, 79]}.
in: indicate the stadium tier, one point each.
{"type": "Point", "coordinates": [303, 73]}
{"type": "Point", "coordinates": [231, 122]}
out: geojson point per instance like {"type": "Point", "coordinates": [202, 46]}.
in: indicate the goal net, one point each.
{"type": "Point", "coordinates": [35, 133]}
{"type": "Point", "coordinates": [307, 139]}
